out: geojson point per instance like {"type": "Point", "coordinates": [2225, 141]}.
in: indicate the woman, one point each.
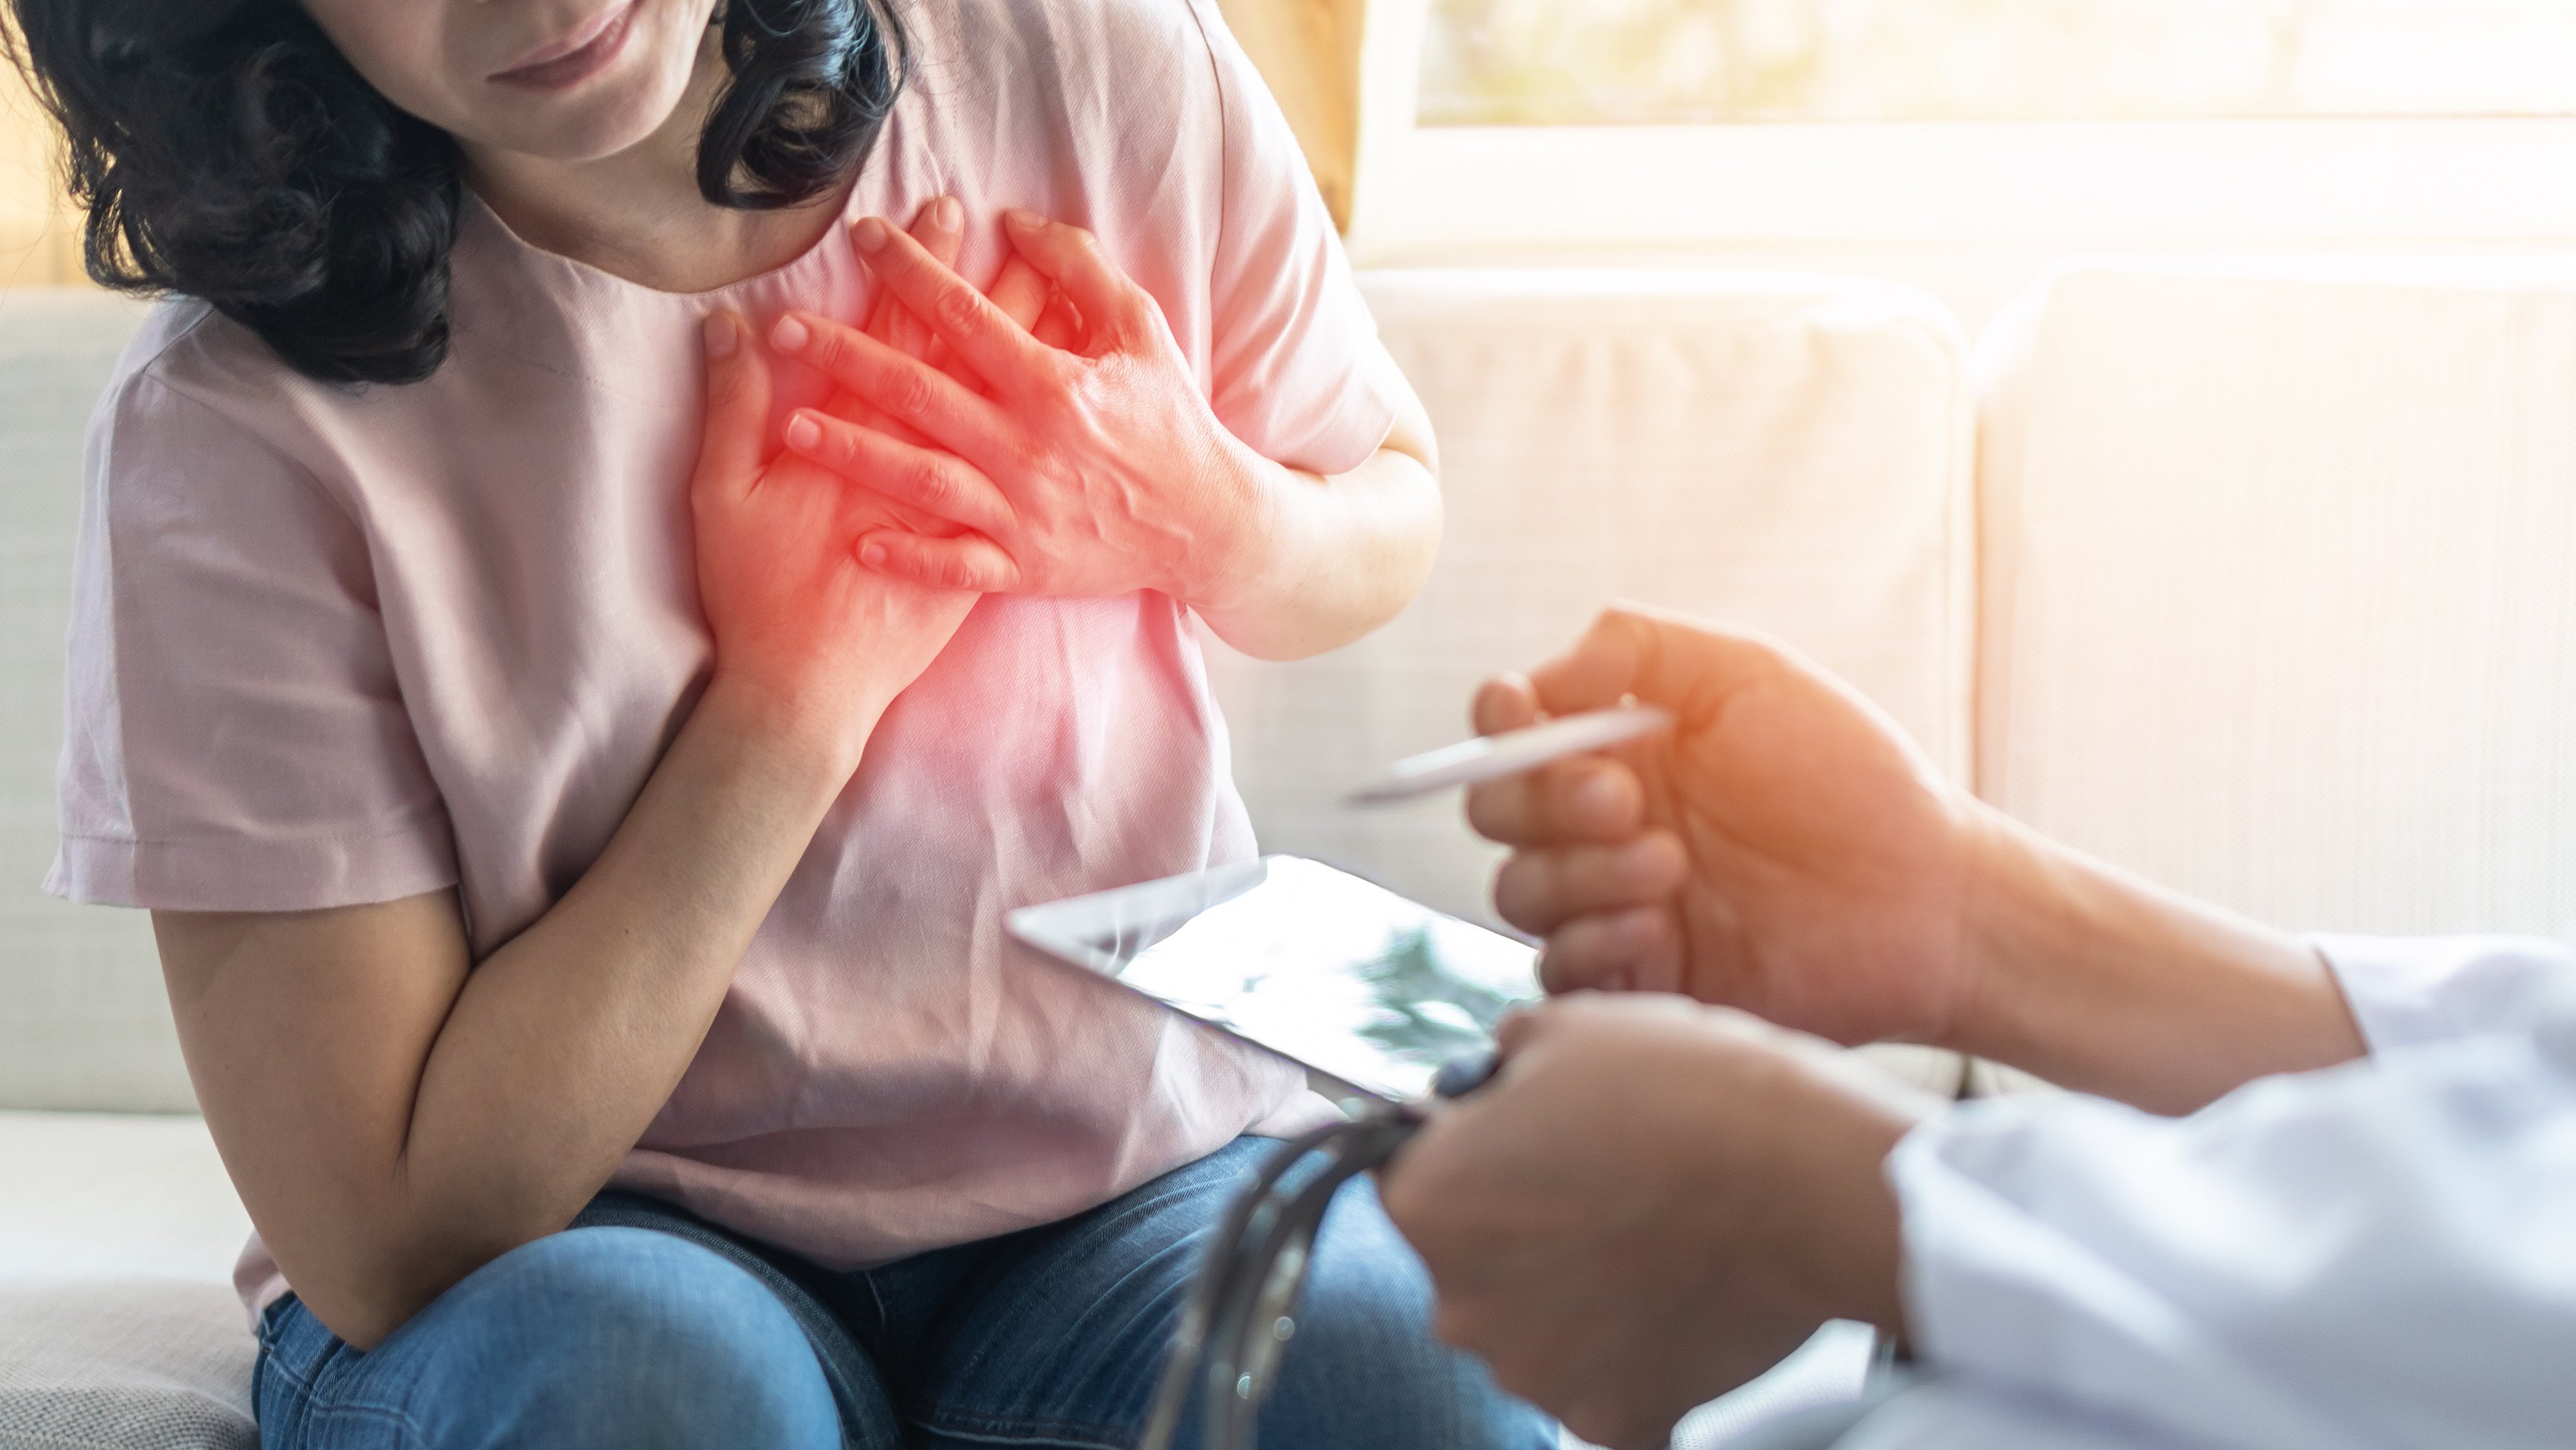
{"type": "Point", "coordinates": [524, 816]}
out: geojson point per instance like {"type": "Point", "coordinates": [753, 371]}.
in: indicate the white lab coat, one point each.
{"type": "Point", "coordinates": [2382, 1254]}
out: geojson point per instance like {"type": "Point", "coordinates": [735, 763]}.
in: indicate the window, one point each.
{"type": "Point", "coordinates": [1576, 62]}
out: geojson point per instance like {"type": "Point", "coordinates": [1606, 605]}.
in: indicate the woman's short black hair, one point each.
{"type": "Point", "coordinates": [226, 150]}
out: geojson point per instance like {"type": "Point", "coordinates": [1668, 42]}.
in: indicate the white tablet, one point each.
{"type": "Point", "coordinates": [1335, 973]}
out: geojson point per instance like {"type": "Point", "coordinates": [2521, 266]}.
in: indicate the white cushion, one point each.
{"type": "Point", "coordinates": [2277, 600]}
{"type": "Point", "coordinates": [82, 1019]}
{"type": "Point", "coordinates": [91, 1196]}
{"type": "Point", "coordinates": [118, 1322]}
{"type": "Point", "coordinates": [1786, 452]}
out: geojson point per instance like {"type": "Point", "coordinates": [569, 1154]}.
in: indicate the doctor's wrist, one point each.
{"type": "Point", "coordinates": [1847, 1236]}
{"type": "Point", "coordinates": [2097, 980]}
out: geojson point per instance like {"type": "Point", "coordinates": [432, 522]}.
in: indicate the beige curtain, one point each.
{"type": "Point", "coordinates": [39, 237]}
{"type": "Point", "coordinates": [1309, 51]}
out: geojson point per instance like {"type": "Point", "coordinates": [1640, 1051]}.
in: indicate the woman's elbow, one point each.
{"type": "Point", "coordinates": [364, 1281]}
{"type": "Point", "coordinates": [362, 1303]}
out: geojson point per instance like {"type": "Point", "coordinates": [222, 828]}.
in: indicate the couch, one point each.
{"type": "Point", "coordinates": [2248, 576]}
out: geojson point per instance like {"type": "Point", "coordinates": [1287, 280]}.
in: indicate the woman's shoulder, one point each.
{"type": "Point", "coordinates": [196, 394]}
{"type": "Point", "coordinates": [185, 347]}
{"type": "Point", "coordinates": [1146, 69]}
{"type": "Point", "coordinates": [190, 371]}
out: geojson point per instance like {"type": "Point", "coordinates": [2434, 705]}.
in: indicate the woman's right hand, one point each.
{"type": "Point", "coordinates": [822, 644]}
{"type": "Point", "coordinates": [797, 623]}
{"type": "Point", "coordinates": [1786, 850]}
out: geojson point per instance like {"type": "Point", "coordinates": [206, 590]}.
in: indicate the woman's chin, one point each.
{"type": "Point", "coordinates": [606, 115]}
{"type": "Point", "coordinates": [574, 130]}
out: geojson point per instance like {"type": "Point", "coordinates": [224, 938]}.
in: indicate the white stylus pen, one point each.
{"type": "Point", "coordinates": [1494, 756]}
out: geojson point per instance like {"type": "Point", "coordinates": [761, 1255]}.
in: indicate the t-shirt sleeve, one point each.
{"type": "Point", "coordinates": [235, 737]}
{"type": "Point", "coordinates": [1298, 371]}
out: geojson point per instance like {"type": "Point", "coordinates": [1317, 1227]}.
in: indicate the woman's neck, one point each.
{"type": "Point", "coordinates": [639, 214]}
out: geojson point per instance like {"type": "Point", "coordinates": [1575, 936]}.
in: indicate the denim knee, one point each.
{"type": "Point", "coordinates": [612, 1337]}
{"type": "Point", "coordinates": [1365, 1370]}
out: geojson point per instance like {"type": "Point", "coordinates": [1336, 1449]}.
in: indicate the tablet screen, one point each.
{"type": "Point", "coordinates": [1342, 975]}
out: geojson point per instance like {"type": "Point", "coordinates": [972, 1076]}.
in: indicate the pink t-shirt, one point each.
{"type": "Point", "coordinates": [336, 645]}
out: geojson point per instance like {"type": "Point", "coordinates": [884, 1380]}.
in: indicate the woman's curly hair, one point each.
{"type": "Point", "coordinates": [225, 150]}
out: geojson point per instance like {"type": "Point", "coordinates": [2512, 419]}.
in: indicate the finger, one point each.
{"type": "Point", "coordinates": [851, 408]}
{"type": "Point", "coordinates": [1659, 657]}
{"type": "Point", "coordinates": [737, 421]}
{"type": "Point", "coordinates": [1636, 949]}
{"type": "Point", "coordinates": [1505, 702]}
{"type": "Point", "coordinates": [1539, 891]}
{"type": "Point", "coordinates": [965, 563]}
{"type": "Point", "coordinates": [940, 227]}
{"type": "Point", "coordinates": [1071, 258]}
{"type": "Point", "coordinates": [905, 388]}
{"type": "Point", "coordinates": [1060, 326]}
{"type": "Point", "coordinates": [935, 482]}
{"type": "Point", "coordinates": [998, 349]}
{"type": "Point", "coordinates": [1519, 1031]}
{"type": "Point", "coordinates": [1021, 294]}
{"type": "Point", "coordinates": [941, 230]}
{"type": "Point", "coordinates": [1595, 799]}
{"type": "Point", "coordinates": [888, 322]}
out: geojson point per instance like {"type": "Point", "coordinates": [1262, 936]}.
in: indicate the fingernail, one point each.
{"type": "Point", "coordinates": [722, 336]}
{"type": "Point", "coordinates": [948, 216]}
{"type": "Point", "coordinates": [870, 235]}
{"type": "Point", "coordinates": [1019, 220]}
{"type": "Point", "coordinates": [790, 335]}
{"type": "Point", "coordinates": [873, 555]}
{"type": "Point", "coordinates": [803, 433]}
{"type": "Point", "coordinates": [1596, 796]}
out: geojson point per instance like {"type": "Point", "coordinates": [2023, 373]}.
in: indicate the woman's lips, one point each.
{"type": "Point", "coordinates": [574, 60]}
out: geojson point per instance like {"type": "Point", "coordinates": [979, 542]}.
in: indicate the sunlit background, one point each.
{"type": "Point", "coordinates": [2164, 410]}
{"type": "Point", "coordinates": [1574, 62]}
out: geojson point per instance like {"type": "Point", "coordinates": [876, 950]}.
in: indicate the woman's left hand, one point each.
{"type": "Point", "coordinates": [1093, 469]}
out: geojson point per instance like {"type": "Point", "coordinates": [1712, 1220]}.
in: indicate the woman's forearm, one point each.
{"type": "Point", "coordinates": [433, 1116]}
{"type": "Point", "coordinates": [2101, 982]}
{"type": "Point", "coordinates": [600, 1005]}
{"type": "Point", "coordinates": [1342, 555]}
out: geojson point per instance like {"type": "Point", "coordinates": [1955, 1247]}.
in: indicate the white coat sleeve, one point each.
{"type": "Point", "coordinates": [2380, 1254]}
{"type": "Point", "coordinates": [2409, 991]}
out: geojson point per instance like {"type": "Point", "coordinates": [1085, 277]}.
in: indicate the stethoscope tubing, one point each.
{"type": "Point", "coordinates": [1230, 1338]}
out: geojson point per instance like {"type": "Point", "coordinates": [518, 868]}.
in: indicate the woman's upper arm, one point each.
{"type": "Point", "coordinates": [1296, 368]}
{"type": "Point", "coordinates": [237, 735]}
{"type": "Point", "coordinates": [306, 1034]}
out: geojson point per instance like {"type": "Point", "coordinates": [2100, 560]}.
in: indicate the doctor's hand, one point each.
{"type": "Point", "coordinates": [1091, 468]}
{"type": "Point", "coordinates": [1651, 1204]}
{"type": "Point", "coordinates": [1785, 849]}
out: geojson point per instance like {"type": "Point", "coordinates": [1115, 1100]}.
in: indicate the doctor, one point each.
{"type": "Point", "coordinates": [2310, 1193]}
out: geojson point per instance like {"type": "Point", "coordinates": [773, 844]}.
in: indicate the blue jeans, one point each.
{"type": "Point", "coordinates": [642, 1327]}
